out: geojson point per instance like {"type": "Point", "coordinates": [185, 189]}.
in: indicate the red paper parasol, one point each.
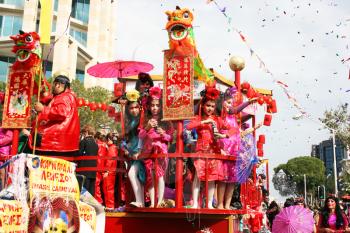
{"type": "Point", "coordinates": [119, 69]}
{"type": "Point", "coordinates": [294, 219]}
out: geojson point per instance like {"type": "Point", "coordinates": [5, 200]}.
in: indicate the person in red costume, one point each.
{"type": "Point", "coordinates": [109, 177]}
{"type": "Point", "coordinates": [102, 152]}
{"type": "Point", "coordinates": [58, 122]}
{"type": "Point", "coordinates": [208, 125]}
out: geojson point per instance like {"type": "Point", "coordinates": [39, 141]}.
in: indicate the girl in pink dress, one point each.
{"type": "Point", "coordinates": [207, 124]}
{"type": "Point", "coordinates": [230, 146]}
{"type": "Point", "coordinates": [155, 136]}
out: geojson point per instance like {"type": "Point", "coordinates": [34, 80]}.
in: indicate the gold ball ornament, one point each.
{"type": "Point", "coordinates": [236, 63]}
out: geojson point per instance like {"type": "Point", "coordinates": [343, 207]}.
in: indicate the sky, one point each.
{"type": "Point", "coordinates": [302, 44]}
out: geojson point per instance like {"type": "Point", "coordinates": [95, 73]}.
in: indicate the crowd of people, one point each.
{"type": "Point", "coordinates": [333, 217]}
{"type": "Point", "coordinates": [214, 130]}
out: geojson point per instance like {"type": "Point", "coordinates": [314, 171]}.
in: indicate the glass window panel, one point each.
{"type": "Point", "coordinates": [7, 27]}
{"type": "Point", "coordinates": [79, 74]}
{"type": "Point", "coordinates": [17, 24]}
{"type": "Point", "coordinates": [55, 6]}
{"type": "Point", "coordinates": [1, 21]}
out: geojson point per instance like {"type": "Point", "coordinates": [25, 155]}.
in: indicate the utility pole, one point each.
{"type": "Point", "coordinates": [335, 166]}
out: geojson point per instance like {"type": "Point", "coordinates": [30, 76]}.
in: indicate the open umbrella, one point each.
{"type": "Point", "coordinates": [119, 69]}
{"type": "Point", "coordinates": [246, 158]}
{"type": "Point", "coordinates": [293, 219]}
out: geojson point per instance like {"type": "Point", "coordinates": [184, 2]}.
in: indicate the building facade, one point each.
{"type": "Point", "coordinates": [76, 41]}
{"type": "Point", "coordinates": [324, 152]}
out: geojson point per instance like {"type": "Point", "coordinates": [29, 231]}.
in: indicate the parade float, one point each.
{"type": "Point", "coordinates": [44, 195]}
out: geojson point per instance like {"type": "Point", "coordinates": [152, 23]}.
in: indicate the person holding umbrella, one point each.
{"type": "Point", "coordinates": [332, 218]}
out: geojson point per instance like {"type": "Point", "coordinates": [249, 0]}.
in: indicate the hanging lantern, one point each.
{"type": "Point", "coordinates": [103, 107]}
{"type": "Point", "coordinates": [250, 93]}
{"type": "Point", "coordinates": [260, 153]}
{"type": "Point", "coordinates": [99, 105]}
{"type": "Point", "coordinates": [268, 100]}
{"type": "Point", "coordinates": [267, 119]}
{"type": "Point", "coordinates": [86, 103]}
{"type": "Point", "coordinates": [259, 145]}
{"type": "Point", "coordinates": [273, 106]}
{"type": "Point", "coordinates": [80, 102]}
{"type": "Point", "coordinates": [262, 138]}
{"type": "Point", "coordinates": [93, 106]}
{"type": "Point", "coordinates": [118, 89]}
{"type": "Point", "coordinates": [260, 100]}
{"type": "Point", "coordinates": [245, 86]}
{"type": "Point", "coordinates": [111, 111]}
{"type": "Point", "coordinates": [117, 117]}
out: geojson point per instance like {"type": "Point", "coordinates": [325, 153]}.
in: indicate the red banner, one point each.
{"type": "Point", "coordinates": [177, 87]}
{"type": "Point", "coordinates": [17, 105]}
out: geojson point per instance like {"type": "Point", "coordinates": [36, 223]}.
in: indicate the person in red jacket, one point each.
{"type": "Point", "coordinates": [109, 176]}
{"type": "Point", "coordinates": [102, 152]}
{"type": "Point", "coordinates": [58, 122]}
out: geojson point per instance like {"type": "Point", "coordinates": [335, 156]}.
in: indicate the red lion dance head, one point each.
{"type": "Point", "coordinates": [27, 49]}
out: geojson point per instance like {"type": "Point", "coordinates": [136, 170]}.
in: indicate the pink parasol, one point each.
{"type": "Point", "coordinates": [119, 69]}
{"type": "Point", "coordinates": [294, 219]}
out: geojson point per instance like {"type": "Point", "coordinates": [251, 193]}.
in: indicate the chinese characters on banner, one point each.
{"type": "Point", "coordinates": [177, 87]}
{"type": "Point", "coordinates": [17, 103]}
{"type": "Point", "coordinates": [12, 219]}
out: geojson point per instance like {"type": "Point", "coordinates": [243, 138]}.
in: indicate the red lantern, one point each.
{"type": "Point", "coordinates": [103, 107]}
{"type": "Point", "coordinates": [267, 119]}
{"type": "Point", "coordinates": [260, 153]}
{"type": "Point", "coordinates": [245, 86]}
{"type": "Point", "coordinates": [262, 138]}
{"type": "Point", "coordinates": [273, 106]}
{"type": "Point", "coordinates": [260, 145]}
{"type": "Point", "coordinates": [93, 106]}
{"type": "Point", "coordinates": [80, 102]}
{"type": "Point", "coordinates": [117, 117]}
{"type": "Point", "coordinates": [261, 100]}
{"type": "Point", "coordinates": [86, 103]}
{"type": "Point", "coordinates": [111, 111]}
{"type": "Point", "coordinates": [268, 100]}
{"type": "Point", "coordinates": [250, 93]}
{"type": "Point", "coordinates": [118, 89]}
{"type": "Point", "coordinates": [99, 105]}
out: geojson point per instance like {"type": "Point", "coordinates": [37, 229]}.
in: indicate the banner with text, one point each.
{"type": "Point", "coordinates": [17, 103]}
{"type": "Point", "coordinates": [88, 214]}
{"type": "Point", "coordinates": [52, 177]}
{"type": "Point", "coordinates": [11, 217]}
{"type": "Point", "coordinates": [177, 87]}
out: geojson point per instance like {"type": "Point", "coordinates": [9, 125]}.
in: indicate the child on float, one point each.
{"type": "Point", "coordinates": [102, 152]}
{"type": "Point", "coordinates": [155, 136]}
{"type": "Point", "coordinates": [230, 146]}
{"type": "Point", "coordinates": [207, 124]}
{"type": "Point", "coordinates": [109, 176]}
{"type": "Point", "coordinates": [131, 147]}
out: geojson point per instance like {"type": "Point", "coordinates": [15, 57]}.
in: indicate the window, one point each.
{"type": "Point", "coordinates": [17, 3]}
{"type": "Point", "coordinates": [80, 74]}
{"type": "Point", "coordinates": [55, 6]}
{"type": "Point", "coordinates": [5, 62]}
{"type": "Point", "coordinates": [80, 10]}
{"type": "Point", "coordinates": [10, 25]}
{"type": "Point", "coordinates": [80, 36]}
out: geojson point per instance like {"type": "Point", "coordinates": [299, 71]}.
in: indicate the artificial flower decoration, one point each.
{"type": "Point", "coordinates": [132, 95]}
{"type": "Point", "coordinates": [212, 93]}
{"type": "Point", "coordinates": [230, 92]}
{"type": "Point", "coordinates": [155, 93]}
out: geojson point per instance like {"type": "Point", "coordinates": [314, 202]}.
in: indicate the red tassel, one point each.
{"type": "Point", "coordinates": [262, 138]}
{"type": "Point", "coordinates": [267, 119]}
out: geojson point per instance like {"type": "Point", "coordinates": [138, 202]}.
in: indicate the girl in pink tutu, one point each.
{"type": "Point", "coordinates": [230, 146]}
{"type": "Point", "coordinates": [207, 124]}
{"type": "Point", "coordinates": [155, 136]}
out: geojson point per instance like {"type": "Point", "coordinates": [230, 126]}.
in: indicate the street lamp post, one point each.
{"type": "Point", "coordinates": [335, 166]}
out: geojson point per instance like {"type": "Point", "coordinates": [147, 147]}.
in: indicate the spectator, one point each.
{"type": "Point", "coordinates": [88, 147]}
{"type": "Point", "coordinates": [272, 211]}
